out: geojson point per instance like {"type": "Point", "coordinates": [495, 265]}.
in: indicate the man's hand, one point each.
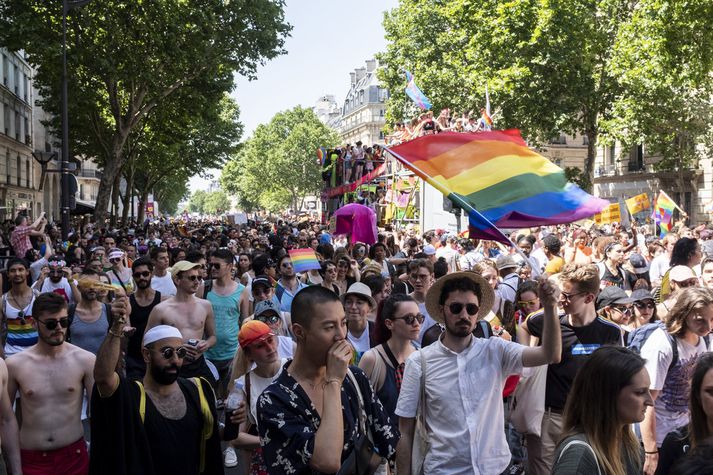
{"type": "Point", "coordinates": [338, 358]}
{"type": "Point", "coordinates": [202, 346]}
{"type": "Point", "coordinates": [548, 292]}
{"type": "Point", "coordinates": [67, 272]}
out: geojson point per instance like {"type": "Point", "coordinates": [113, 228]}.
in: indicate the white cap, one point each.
{"type": "Point", "coordinates": [160, 332]}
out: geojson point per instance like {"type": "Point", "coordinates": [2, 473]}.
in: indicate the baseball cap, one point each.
{"type": "Point", "coordinates": [429, 250]}
{"type": "Point", "coordinates": [681, 274]}
{"type": "Point", "coordinates": [639, 264]}
{"type": "Point", "coordinates": [641, 294]}
{"type": "Point", "coordinates": [183, 266]}
{"type": "Point", "coordinates": [360, 290]}
{"type": "Point", "coordinates": [253, 331]}
{"type": "Point", "coordinates": [261, 280]}
{"type": "Point", "coordinates": [612, 295]}
{"type": "Point", "coordinates": [266, 306]}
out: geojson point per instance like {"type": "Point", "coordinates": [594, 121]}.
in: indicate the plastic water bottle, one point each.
{"type": "Point", "coordinates": [231, 404]}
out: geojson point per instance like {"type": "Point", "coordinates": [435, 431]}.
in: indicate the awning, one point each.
{"type": "Point", "coordinates": [83, 207]}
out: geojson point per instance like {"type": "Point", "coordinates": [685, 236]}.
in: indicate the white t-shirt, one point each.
{"type": "Point", "coordinates": [62, 288]}
{"type": "Point", "coordinates": [671, 405]}
{"type": "Point", "coordinates": [361, 344]}
{"type": "Point", "coordinates": [257, 385]}
{"type": "Point", "coordinates": [164, 284]}
{"type": "Point", "coordinates": [659, 266]}
{"type": "Point", "coordinates": [36, 268]}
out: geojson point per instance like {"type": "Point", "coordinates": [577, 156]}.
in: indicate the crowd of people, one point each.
{"type": "Point", "coordinates": [578, 350]}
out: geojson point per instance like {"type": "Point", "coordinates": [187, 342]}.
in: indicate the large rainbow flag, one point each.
{"type": "Point", "coordinates": [498, 180]}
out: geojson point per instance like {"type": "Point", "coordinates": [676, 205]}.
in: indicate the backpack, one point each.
{"type": "Point", "coordinates": [638, 337]}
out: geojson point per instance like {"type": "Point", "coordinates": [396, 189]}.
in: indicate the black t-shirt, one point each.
{"type": "Point", "coordinates": [674, 446]}
{"type": "Point", "coordinates": [577, 344]}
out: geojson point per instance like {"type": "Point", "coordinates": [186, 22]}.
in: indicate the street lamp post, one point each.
{"type": "Point", "coordinates": [67, 6]}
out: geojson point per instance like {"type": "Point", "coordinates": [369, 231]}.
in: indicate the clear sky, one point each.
{"type": "Point", "coordinates": [329, 39]}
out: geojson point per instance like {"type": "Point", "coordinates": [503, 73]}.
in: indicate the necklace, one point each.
{"type": "Point", "coordinates": [21, 309]}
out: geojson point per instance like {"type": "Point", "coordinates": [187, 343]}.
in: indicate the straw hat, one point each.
{"type": "Point", "coordinates": [485, 299]}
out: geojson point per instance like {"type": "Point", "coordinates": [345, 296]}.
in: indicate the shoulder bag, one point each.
{"type": "Point", "coordinates": [421, 445]}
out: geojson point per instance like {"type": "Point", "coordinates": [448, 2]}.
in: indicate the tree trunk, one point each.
{"type": "Point", "coordinates": [112, 166]}
{"type": "Point", "coordinates": [143, 198]}
{"type": "Point", "coordinates": [588, 174]}
{"type": "Point", "coordinates": [128, 196]}
{"type": "Point", "coordinates": [115, 193]}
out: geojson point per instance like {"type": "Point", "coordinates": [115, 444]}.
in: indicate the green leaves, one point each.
{"type": "Point", "coordinates": [277, 167]}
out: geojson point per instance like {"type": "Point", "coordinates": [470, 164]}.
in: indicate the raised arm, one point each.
{"type": "Point", "coordinates": [105, 375]}
{"type": "Point", "coordinates": [551, 349]}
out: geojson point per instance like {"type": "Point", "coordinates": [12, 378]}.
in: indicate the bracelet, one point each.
{"type": "Point", "coordinates": [329, 381]}
{"type": "Point", "coordinates": [651, 453]}
{"type": "Point", "coordinates": [117, 335]}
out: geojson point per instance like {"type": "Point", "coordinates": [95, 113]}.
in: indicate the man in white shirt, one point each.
{"type": "Point", "coordinates": [464, 379]}
{"type": "Point", "coordinates": [161, 280]}
{"type": "Point", "coordinates": [59, 281]}
{"type": "Point", "coordinates": [661, 263]}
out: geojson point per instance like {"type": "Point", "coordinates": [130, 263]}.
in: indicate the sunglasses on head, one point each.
{"type": "Point", "coordinates": [457, 307]}
{"type": "Point", "coordinates": [141, 274]}
{"type": "Point", "coordinates": [51, 324]}
{"type": "Point", "coordinates": [642, 305]}
{"type": "Point", "coordinates": [410, 319]}
{"type": "Point", "coordinates": [167, 352]}
{"type": "Point", "coordinates": [269, 319]}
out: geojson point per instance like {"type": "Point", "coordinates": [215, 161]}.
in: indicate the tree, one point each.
{"type": "Point", "coordinates": [277, 167]}
{"type": "Point", "coordinates": [196, 204]}
{"type": "Point", "coordinates": [216, 202]}
{"type": "Point", "coordinates": [549, 65]}
{"type": "Point", "coordinates": [127, 58]}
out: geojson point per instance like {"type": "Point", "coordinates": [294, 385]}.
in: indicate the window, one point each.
{"type": "Point", "coordinates": [559, 140]}
{"type": "Point", "coordinates": [19, 171]}
{"type": "Point", "coordinates": [17, 126]}
{"type": "Point", "coordinates": [381, 112]}
{"type": "Point", "coordinates": [585, 140]}
{"type": "Point", "coordinates": [17, 81]}
{"type": "Point", "coordinates": [7, 119]}
{"type": "Point", "coordinates": [28, 136]}
{"type": "Point", "coordinates": [5, 70]}
{"type": "Point", "coordinates": [27, 173]}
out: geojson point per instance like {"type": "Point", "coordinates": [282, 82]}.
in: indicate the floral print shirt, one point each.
{"type": "Point", "coordinates": [288, 423]}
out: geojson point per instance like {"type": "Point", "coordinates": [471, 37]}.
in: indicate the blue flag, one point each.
{"type": "Point", "coordinates": [416, 95]}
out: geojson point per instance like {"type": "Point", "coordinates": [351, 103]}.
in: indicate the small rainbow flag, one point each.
{"type": "Point", "coordinates": [663, 213]}
{"type": "Point", "coordinates": [498, 180]}
{"type": "Point", "coordinates": [321, 155]}
{"type": "Point", "coordinates": [304, 259]}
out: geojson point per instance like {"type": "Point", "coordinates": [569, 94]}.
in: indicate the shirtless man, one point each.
{"type": "Point", "coordinates": [51, 377]}
{"type": "Point", "coordinates": [192, 316]}
{"type": "Point", "coordinates": [8, 429]}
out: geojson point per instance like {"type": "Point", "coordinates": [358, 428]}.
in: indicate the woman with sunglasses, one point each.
{"type": "Point", "coordinates": [398, 324]}
{"type": "Point", "coordinates": [644, 308]}
{"type": "Point", "coordinates": [615, 305]}
{"type": "Point", "coordinates": [119, 273]}
{"type": "Point", "coordinates": [258, 350]}
{"type": "Point", "coordinates": [328, 272]}
{"type": "Point", "coordinates": [346, 269]}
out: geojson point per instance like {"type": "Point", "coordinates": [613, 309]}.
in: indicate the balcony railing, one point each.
{"type": "Point", "coordinates": [90, 174]}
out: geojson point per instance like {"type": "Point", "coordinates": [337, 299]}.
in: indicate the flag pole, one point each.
{"type": "Point", "coordinates": [674, 203]}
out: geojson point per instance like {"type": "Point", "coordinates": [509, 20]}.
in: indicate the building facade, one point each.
{"type": "Point", "coordinates": [17, 167]}
{"type": "Point", "coordinates": [364, 110]}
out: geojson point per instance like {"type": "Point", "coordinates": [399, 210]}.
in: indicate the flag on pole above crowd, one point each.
{"type": "Point", "coordinates": [485, 117]}
{"type": "Point", "coordinates": [498, 180]}
{"type": "Point", "coordinates": [416, 95]}
{"type": "Point", "coordinates": [663, 212]}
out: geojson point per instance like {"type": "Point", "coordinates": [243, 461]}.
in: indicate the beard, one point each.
{"type": "Point", "coordinates": [143, 284]}
{"type": "Point", "coordinates": [162, 376]}
{"type": "Point", "coordinates": [457, 329]}
{"type": "Point", "coordinates": [55, 340]}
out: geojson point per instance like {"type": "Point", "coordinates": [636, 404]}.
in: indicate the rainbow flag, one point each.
{"type": "Point", "coordinates": [663, 213]}
{"type": "Point", "coordinates": [304, 259]}
{"type": "Point", "coordinates": [498, 180]}
{"type": "Point", "coordinates": [416, 95]}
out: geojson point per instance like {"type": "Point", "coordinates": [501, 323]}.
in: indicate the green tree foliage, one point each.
{"type": "Point", "coordinates": [277, 167]}
{"type": "Point", "coordinates": [216, 202]}
{"type": "Point", "coordinates": [197, 202]}
{"type": "Point", "coordinates": [565, 66]}
{"type": "Point", "coordinates": [126, 59]}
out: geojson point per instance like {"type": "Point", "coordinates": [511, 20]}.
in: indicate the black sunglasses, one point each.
{"type": "Point", "coordinates": [409, 319]}
{"type": "Point", "coordinates": [141, 274]}
{"type": "Point", "coordinates": [457, 307]}
{"type": "Point", "coordinates": [192, 278]}
{"type": "Point", "coordinates": [168, 352]}
{"type": "Point", "coordinates": [52, 323]}
{"type": "Point", "coordinates": [269, 319]}
{"type": "Point", "coordinates": [215, 265]}
{"type": "Point", "coordinates": [641, 305]}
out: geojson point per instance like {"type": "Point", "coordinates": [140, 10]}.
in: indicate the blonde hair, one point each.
{"type": "Point", "coordinates": [689, 300]}
{"type": "Point", "coordinates": [585, 276]}
{"type": "Point", "coordinates": [241, 367]}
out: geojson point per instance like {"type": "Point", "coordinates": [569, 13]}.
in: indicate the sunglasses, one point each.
{"type": "Point", "coordinates": [215, 265]}
{"type": "Point", "coordinates": [623, 310]}
{"type": "Point", "coordinates": [141, 274]}
{"type": "Point", "coordinates": [687, 283]}
{"type": "Point", "coordinates": [192, 278]}
{"type": "Point", "coordinates": [168, 352]}
{"type": "Point", "coordinates": [568, 297]}
{"type": "Point", "coordinates": [457, 307]}
{"type": "Point", "coordinates": [269, 319]}
{"type": "Point", "coordinates": [410, 319]}
{"type": "Point", "coordinates": [642, 305]}
{"type": "Point", "coordinates": [524, 303]}
{"type": "Point", "coordinates": [52, 323]}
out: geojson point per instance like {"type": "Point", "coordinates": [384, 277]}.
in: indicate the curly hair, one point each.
{"type": "Point", "coordinates": [585, 276]}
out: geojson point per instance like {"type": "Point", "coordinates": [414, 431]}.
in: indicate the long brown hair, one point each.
{"type": "Point", "coordinates": [592, 407]}
{"type": "Point", "coordinates": [690, 300]}
{"type": "Point", "coordinates": [698, 425]}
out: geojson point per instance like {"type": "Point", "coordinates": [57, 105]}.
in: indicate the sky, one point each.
{"type": "Point", "coordinates": [329, 39]}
